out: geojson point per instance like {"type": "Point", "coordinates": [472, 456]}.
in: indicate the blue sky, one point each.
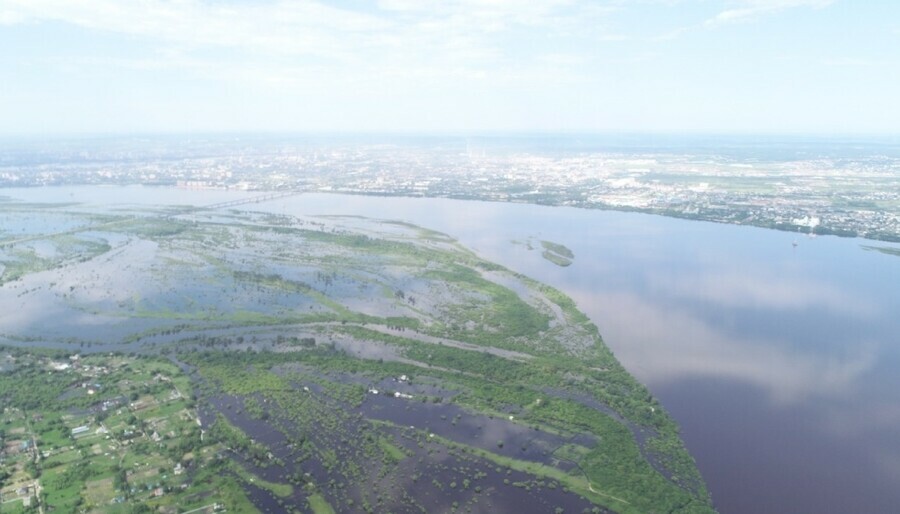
{"type": "Point", "coordinates": [736, 66]}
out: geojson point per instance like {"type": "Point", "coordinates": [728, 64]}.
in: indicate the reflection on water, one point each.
{"type": "Point", "coordinates": [667, 343]}
{"type": "Point", "coordinates": [778, 361]}
{"type": "Point", "coordinates": [738, 289]}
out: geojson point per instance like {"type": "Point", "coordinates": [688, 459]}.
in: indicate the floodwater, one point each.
{"type": "Point", "coordinates": [480, 431]}
{"type": "Point", "coordinates": [777, 359]}
{"type": "Point", "coordinates": [430, 460]}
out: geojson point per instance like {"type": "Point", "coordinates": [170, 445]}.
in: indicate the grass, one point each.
{"type": "Point", "coordinates": [166, 410]}
{"type": "Point", "coordinates": [62, 498]}
{"type": "Point", "coordinates": [394, 453]}
{"type": "Point", "coordinates": [14, 507]}
{"type": "Point", "coordinates": [576, 484]}
{"type": "Point", "coordinates": [99, 492]}
{"type": "Point", "coordinates": [571, 452]}
{"type": "Point", "coordinates": [501, 314]}
{"type": "Point", "coordinates": [215, 484]}
{"type": "Point", "coordinates": [558, 249]}
{"type": "Point", "coordinates": [557, 254]}
{"type": "Point", "coordinates": [556, 259]}
{"type": "Point", "coordinates": [23, 260]}
{"type": "Point", "coordinates": [319, 505]}
{"type": "Point", "coordinates": [280, 490]}
{"type": "Point", "coordinates": [60, 458]}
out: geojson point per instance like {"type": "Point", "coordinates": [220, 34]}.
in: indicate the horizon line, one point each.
{"type": "Point", "coordinates": [443, 133]}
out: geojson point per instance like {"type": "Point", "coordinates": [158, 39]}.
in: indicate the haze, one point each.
{"type": "Point", "coordinates": [104, 66]}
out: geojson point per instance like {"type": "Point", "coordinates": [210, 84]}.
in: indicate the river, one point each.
{"type": "Point", "coordinates": [776, 353]}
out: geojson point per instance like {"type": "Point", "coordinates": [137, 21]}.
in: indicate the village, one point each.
{"type": "Point", "coordinates": [107, 434]}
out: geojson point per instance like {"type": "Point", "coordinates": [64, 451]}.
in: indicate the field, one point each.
{"type": "Point", "coordinates": [109, 433]}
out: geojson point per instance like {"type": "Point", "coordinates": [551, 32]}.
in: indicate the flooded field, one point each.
{"type": "Point", "coordinates": [429, 476]}
{"type": "Point", "coordinates": [359, 364]}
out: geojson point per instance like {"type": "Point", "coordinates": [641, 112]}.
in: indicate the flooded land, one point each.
{"type": "Point", "coordinates": [324, 363]}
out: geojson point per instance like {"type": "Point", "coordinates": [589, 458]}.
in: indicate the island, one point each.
{"type": "Point", "coordinates": [173, 359]}
{"type": "Point", "coordinates": [556, 253]}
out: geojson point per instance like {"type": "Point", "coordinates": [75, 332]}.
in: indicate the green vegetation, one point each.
{"type": "Point", "coordinates": [319, 505]}
{"type": "Point", "coordinates": [104, 433]}
{"type": "Point", "coordinates": [26, 258]}
{"type": "Point", "coordinates": [280, 490]}
{"type": "Point", "coordinates": [390, 450]}
{"type": "Point", "coordinates": [499, 315]}
{"type": "Point", "coordinates": [883, 249]}
{"type": "Point", "coordinates": [335, 371]}
{"type": "Point", "coordinates": [488, 384]}
{"type": "Point", "coordinates": [557, 254]}
{"type": "Point", "coordinates": [558, 249]}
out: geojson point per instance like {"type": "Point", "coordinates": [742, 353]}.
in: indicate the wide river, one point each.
{"type": "Point", "coordinates": [780, 361]}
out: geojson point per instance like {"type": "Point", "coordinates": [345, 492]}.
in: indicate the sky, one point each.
{"type": "Point", "coordinates": [449, 66]}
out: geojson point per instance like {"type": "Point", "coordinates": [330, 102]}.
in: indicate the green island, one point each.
{"type": "Point", "coordinates": [556, 253]}
{"type": "Point", "coordinates": [182, 360]}
{"type": "Point", "coordinates": [887, 250]}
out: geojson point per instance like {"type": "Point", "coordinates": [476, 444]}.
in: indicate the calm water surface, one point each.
{"type": "Point", "coordinates": [779, 362]}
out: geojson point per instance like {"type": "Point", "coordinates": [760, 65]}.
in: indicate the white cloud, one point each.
{"type": "Point", "coordinates": [11, 17]}
{"type": "Point", "coordinates": [561, 59]}
{"type": "Point", "coordinates": [281, 27]}
{"type": "Point", "coordinates": [284, 26]}
{"type": "Point", "coordinates": [672, 34]}
{"type": "Point", "coordinates": [853, 62]}
{"type": "Point", "coordinates": [748, 10]}
{"type": "Point", "coordinates": [741, 11]}
{"type": "Point", "coordinates": [469, 38]}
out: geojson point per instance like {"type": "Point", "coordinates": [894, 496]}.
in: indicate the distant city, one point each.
{"type": "Point", "coordinates": [813, 187]}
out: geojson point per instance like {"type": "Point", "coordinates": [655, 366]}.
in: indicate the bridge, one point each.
{"type": "Point", "coordinates": [244, 201]}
